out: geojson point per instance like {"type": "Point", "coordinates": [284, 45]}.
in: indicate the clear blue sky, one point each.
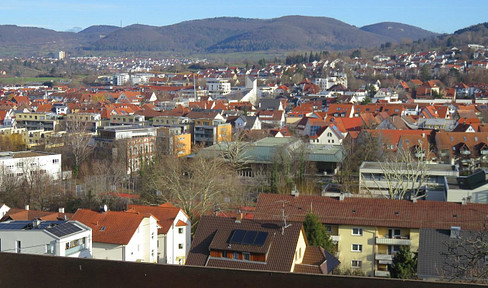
{"type": "Point", "coordinates": [442, 16]}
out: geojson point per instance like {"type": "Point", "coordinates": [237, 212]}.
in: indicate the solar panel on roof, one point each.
{"type": "Point", "coordinates": [249, 237]}
{"type": "Point", "coordinates": [237, 236]}
{"type": "Point", "coordinates": [260, 238]}
{"type": "Point", "coordinates": [64, 229]}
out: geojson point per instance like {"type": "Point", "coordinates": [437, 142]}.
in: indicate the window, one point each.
{"type": "Point", "coordinates": [180, 246]}
{"type": "Point", "coordinates": [180, 230]}
{"type": "Point", "coordinates": [236, 255]}
{"type": "Point", "coordinates": [357, 248]}
{"type": "Point", "coordinates": [246, 256]}
{"type": "Point", "coordinates": [356, 264]}
{"type": "Point", "coordinates": [224, 254]}
{"type": "Point", "coordinates": [329, 229]}
{"type": "Point", "coordinates": [357, 231]}
{"type": "Point", "coordinates": [152, 235]}
{"type": "Point", "coordinates": [18, 246]}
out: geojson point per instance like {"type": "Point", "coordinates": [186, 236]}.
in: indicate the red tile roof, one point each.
{"type": "Point", "coordinates": [165, 213]}
{"type": "Point", "coordinates": [112, 227]}
{"type": "Point", "coordinates": [374, 212]}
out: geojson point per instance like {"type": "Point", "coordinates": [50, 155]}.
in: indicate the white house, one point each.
{"type": "Point", "coordinates": [28, 163]}
{"type": "Point", "coordinates": [218, 87]}
{"type": "Point", "coordinates": [56, 238]}
{"type": "Point", "coordinates": [122, 236]}
{"type": "Point", "coordinates": [330, 135]}
{"type": "Point", "coordinates": [174, 234]}
{"type": "Point", "coordinates": [3, 210]}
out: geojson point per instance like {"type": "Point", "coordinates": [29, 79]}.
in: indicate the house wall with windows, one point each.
{"type": "Point", "coordinates": [177, 240]}
{"type": "Point", "coordinates": [32, 240]}
{"type": "Point", "coordinates": [27, 163]}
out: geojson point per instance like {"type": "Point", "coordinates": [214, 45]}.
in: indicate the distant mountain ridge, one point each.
{"type": "Point", "coordinates": [398, 32]}
{"type": "Point", "coordinates": [213, 35]}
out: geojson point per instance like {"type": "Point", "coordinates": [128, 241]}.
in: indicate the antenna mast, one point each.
{"type": "Point", "coordinates": [283, 217]}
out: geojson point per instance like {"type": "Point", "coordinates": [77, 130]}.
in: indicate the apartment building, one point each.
{"type": "Point", "coordinates": [369, 231]}
{"type": "Point", "coordinates": [27, 163]}
{"type": "Point", "coordinates": [36, 121]}
{"type": "Point", "coordinates": [373, 178]}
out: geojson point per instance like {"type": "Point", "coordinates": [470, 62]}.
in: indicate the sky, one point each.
{"type": "Point", "coordinates": [441, 16]}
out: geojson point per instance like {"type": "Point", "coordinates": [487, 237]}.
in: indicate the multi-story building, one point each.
{"type": "Point", "coordinates": [86, 121]}
{"type": "Point", "coordinates": [217, 87]}
{"type": "Point", "coordinates": [37, 121]}
{"type": "Point", "coordinates": [28, 163]}
{"type": "Point", "coordinates": [55, 238]}
{"type": "Point", "coordinates": [373, 178]}
{"type": "Point", "coordinates": [123, 236]}
{"type": "Point", "coordinates": [211, 131]}
{"type": "Point", "coordinates": [174, 233]}
{"type": "Point", "coordinates": [131, 119]}
{"type": "Point", "coordinates": [137, 144]}
{"type": "Point", "coordinates": [369, 231]}
{"type": "Point", "coordinates": [172, 141]}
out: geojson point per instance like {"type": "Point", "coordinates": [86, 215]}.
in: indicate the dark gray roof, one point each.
{"type": "Point", "coordinates": [215, 232]}
{"type": "Point", "coordinates": [269, 104]}
{"type": "Point", "coordinates": [433, 251]}
{"type": "Point", "coordinates": [64, 229]}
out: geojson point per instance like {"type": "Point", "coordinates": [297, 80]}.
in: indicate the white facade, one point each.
{"type": "Point", "coordinates": [121, 79]}
{"type": "Point", "coordinates": [27, 163]}
{"type": "Point", "coordinates": [142, 247]}
{"type": "Point", "coordinates": [177, 242]}
{"type": "Point", "coordinates": [41, 241]}
{"type": "Point", "coordinates": [218, 86]}
{"type": "Point", "coordinates": [330, 136]}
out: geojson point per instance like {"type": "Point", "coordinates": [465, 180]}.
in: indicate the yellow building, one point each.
{"type": "Point", "coordinates": [172, 141]}
{"type": "Point", "coordinates": [369, 231]}
{"type": "Point", "coordinates": [88, 121]}
{"type": "Point", "coordinates": [37, 121]}
{"type": "Point", "coordinates": [49, 139]}
{"type": "Point", "coordinates": [210, 132]}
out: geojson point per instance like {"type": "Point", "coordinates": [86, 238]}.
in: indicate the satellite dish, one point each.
{"type": "Point", "coordinates": [105, 208]}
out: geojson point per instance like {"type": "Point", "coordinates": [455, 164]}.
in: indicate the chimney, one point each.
{"type": "Point", "coordinates": [341, 196]}
{"type": "Point", "coordinates": [61, 210]}
{"type": "Point", "coordinates": [26, 207]}
{"type": "Point", "coordinates": [294, 191]}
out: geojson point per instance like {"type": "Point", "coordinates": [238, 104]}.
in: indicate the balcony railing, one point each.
{"type": "Point", "coordinates": [74, 249]}
{"type": "Point", "coordinates": [379, 273]}
{"type": "Point", "coordinates": [465, 152]}
{"type": "Point", "coordinates": [335, 238]}
{"type": "Point", "coordinates": [394, 241]}
{"type": "Point", "coordinates": [384, 257]}
{"type": "Point", "coordinates": [484, 152]}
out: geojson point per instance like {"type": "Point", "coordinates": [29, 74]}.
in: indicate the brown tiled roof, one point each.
{"type": "Point", "coordinates": [215, 232]}
{"type": "Point", "coordinates": [375, 212]}
{"type": "Point", "coordinates": [166, 215]}
{"type": "Point", "coordinates": [110, 227]}
{"type": "Point", "coordinates": [27, 215]}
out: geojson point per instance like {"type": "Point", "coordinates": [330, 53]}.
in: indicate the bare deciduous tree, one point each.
{"type": "Point", "coordinates": [466, 257]}
{"type": "Point", "coordinates": [404, 174]}
{"type": "Point", "coordinates": [78, 142]}
{"type": "Point", "coordinates": [196, 185]}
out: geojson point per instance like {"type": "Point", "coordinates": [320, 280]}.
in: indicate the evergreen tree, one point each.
{"type": "Point", "coordinates": [404, 264]}
{"type": "Point", "coordinates": [317, 234]}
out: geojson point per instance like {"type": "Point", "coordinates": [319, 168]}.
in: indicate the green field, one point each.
{"type": "Point", "coordinates": [29, 80]}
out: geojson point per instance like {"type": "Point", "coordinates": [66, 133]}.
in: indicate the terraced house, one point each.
{"type": "Point", "coordinates": [369, 231]}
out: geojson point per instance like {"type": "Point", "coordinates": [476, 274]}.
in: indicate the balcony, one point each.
{"type": "Point", "coordinates": [75, 249]}
{"type": "Point", "coordinates": [379, 273]}
{"type": "Point", "coordinates": [465, 152]}
{"type": "Point", "coordinates": [384, 257]}
{"type": "Point", "coordinates": [335, 238]}
{"type": "Point", "coordinates": [394, 241]}
{"type": "Point", "coordinates": [484, 152]}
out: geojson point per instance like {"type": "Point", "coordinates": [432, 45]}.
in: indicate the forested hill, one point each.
{"type": "Point", "coordinates": [215, 35]}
